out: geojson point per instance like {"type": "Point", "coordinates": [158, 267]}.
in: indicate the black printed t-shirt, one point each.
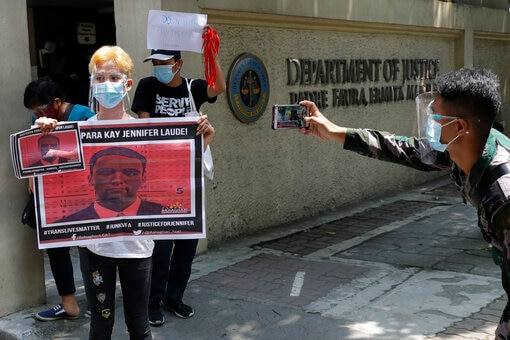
{"type": "Point", "coordinates": [162, 101]}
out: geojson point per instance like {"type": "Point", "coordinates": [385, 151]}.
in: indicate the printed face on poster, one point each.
{"type": "Point", "coordinates": [142, 180]}
{"type": "Point", "coordinates": [34, 153]}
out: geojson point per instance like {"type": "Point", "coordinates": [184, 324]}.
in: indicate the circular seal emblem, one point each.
{"type": "Point", "coordinates": [248, 86]}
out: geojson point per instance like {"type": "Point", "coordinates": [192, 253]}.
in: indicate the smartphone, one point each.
{"type": "Point", "coordinates": [289, 116]}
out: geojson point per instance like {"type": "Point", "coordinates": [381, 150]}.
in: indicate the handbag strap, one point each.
{"type": "Point", "coordinates": [194, 111]}
{"type": "Point", "coordinates": [67, 111]}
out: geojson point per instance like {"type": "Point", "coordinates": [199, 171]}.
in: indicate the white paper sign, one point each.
{"type": "Point", "coordinates": [175, 31]}
{"type": "Point", "coordinates": [86, 33]}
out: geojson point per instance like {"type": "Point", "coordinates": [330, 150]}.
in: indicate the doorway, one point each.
{"type": "Point", "coordinates": [63, 34]}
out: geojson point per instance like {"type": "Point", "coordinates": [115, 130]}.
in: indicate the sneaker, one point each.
{"type": "Point", "coordinates": [155, 316]}
{"type": "Point", "coordinates": [178, 308]}
{"type": "Point", "coordinates": [55, 313]}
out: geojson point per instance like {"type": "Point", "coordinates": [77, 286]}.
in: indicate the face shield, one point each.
{"type": "Point", "coordinates": [423, 108]}
{"type": "Point", "coordinates": [108, 89]}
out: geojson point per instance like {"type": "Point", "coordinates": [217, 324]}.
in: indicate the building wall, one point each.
{"type": "Point", "coordinates": [22, 279]}
{"type": "Point", "coordinates": [492, 52]}
{"type": "Point", "coordinates": [265, 178]}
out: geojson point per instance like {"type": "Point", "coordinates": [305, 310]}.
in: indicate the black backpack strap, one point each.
{"type": "Point", "coordinates": [67, 112]}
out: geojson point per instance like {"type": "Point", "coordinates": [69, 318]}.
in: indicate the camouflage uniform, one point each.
{"type": "Point", "coordinates": [487, 188]}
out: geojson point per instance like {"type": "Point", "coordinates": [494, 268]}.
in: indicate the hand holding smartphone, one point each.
{"type": "Point", "coordinates": [290, 116]}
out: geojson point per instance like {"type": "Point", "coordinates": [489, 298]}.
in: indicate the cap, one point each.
{"type": "Point", "coordinates": [163, 55]}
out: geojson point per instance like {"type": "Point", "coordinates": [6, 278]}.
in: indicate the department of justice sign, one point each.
{"type": "Point", "coordinates": [248, 88]}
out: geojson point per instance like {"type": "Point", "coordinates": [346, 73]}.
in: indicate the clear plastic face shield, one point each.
{"type": "Point", "coordinates": [423, 108]}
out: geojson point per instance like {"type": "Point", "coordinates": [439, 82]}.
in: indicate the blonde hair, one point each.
{"type": "Point", "coordinates": [114, 54]}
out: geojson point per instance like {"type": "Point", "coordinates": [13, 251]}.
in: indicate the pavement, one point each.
{"type": "Point", "coordinates": [411, 266]}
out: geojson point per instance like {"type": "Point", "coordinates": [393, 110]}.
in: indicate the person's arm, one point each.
{"type": "Point", "coordinates": [320, 126]}
{"type": "Point", "coordinates": [143, 114]}
{"type": "Point", "coordinates": [205, 128]}
{"type": "Point", "coordinates": [376, 144]}
{"type": "Point", "coordinates": [501, 228]}
{"type": "Point", "coordinates": [70, 155]}
{"type": "Point", "coordinates": [30, 185]}
{"type": "Point", "coordinates": [221, 84]}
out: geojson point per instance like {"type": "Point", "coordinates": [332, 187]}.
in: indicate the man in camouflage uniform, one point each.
{"type": "Point", "coordinates": [458, 127]}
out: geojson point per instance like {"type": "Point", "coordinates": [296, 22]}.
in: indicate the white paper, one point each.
{"type": "Point", "coordinates": [175, 31]}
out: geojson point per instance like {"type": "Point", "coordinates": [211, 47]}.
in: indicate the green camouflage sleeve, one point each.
{"type": "Point", "coordinates": [388, 147]}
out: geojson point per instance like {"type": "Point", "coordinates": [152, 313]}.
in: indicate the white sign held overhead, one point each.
{"type": "Point", "coordinates": [175, 31]}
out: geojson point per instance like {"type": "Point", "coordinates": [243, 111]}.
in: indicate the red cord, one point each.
{"type": "Point", "coordinates": [210, 46]}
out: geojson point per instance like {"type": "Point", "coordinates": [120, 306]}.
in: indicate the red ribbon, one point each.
{"type": "Point", "coordinates": [210, 46]}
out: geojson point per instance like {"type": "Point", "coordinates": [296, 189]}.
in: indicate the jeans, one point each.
{"type": "Point", "coordinates": [171, 270]}
{"type": "Point", "coordinates": [99, 279]}
{"type": "Point", "coordinates": [62, 270]}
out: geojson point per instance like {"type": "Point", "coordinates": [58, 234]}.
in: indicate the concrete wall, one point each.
{"type": "Point", "coordinates": [265, 178]}
{"type": "Point", "coordinates": [22, 279]}
{"type": "Point", "coordinates": [493, 53]}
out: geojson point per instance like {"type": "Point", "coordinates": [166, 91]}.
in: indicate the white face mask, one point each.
{"type": "Point", "coordinates": [108, 94]}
